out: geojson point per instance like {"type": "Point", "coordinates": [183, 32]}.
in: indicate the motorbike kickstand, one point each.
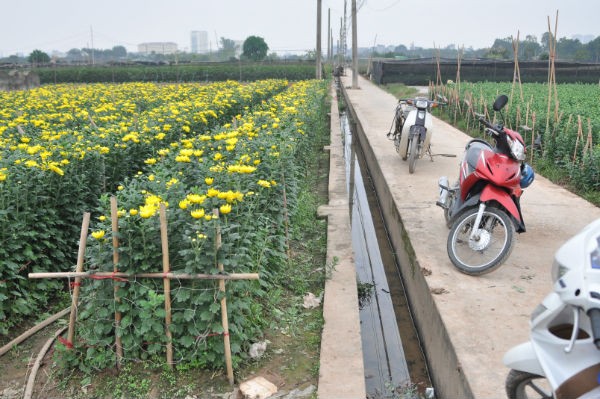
{"type": "Point", "coordinates": [428, 152]}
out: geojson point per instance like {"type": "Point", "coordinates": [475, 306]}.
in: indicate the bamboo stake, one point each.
{"type": "Point", "coordinates": [224, 319]}
{"type": "Point", "coordinates": [551, 70]}
{"type": "Point", "coordinates": [115, 241]}
{"type": "Point", "coordinates": [79, 268]}
{"type": "Point", "coordinates": [579, 134]}
{"type": "Point", "coordinates": [588, 142]}
{"type": "Point", "coordinates": [285, 217]}
{"type": "Point", "coordinates": [166, 283]}
{"type": "Point", "coordinates": [532, 137]}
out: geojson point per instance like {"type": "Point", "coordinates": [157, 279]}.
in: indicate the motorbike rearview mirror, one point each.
{"type": "Point", "coordinates": [500, 102]}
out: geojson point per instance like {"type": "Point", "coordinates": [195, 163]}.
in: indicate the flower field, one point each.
{"type": "Point", "coordinates": [235, 148]}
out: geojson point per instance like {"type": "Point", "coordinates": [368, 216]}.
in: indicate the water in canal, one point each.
{"type": "Point", "coordinates": [393, 358]}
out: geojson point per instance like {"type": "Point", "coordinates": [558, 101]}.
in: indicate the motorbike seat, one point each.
{"type": "Point", "coordinates": [473, 149]}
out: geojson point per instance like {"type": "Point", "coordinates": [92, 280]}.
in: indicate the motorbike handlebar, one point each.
{"type": "Point", "coordinates": [412, 101]}
{"type": "Point", "coordinates": [490, 128]}
{"type": "Point", "coordinates": [594, 315]}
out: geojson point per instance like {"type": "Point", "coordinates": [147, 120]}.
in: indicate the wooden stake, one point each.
{"type": "Point", "coordinates": [532, 138]}
{"type": "Point", "coordinates": [588, 142]}
{"type": "Point", "coordinates": [115, 240]}
{"type": "Point", "coordinates": [552, 71]}
{"type": "Point", "coordinates": [285, 217]}
{"type": "Point", "coordinates": [166, 282]}
{"type": "Point", "coordinates": [224, 319]}
{"type": "Point", "coordinates": [579, 135]}
{"type": "Point", "coordinates": [79, 268]}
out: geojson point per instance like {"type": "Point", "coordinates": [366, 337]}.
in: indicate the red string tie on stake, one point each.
{"type": "Point", "coordinates": [65, 342]}
{"type": "Point", "coordinates": [75, 284]}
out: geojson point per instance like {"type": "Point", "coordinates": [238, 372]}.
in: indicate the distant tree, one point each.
{"type": "Point", "coordinates": [74, 55]}
{"type": "Point", "coordinates": [529, 48]}
{"type": "Point", "coordinates": [228, 48]}
{"type": "Point", "coordinates": [119, 52]}
{"type": "Point", "coordinates": [593, 48]}
{"type": "Point", "coordinates": [582, 54]}
{"type": "Point", "coordinates": [546, 38]}
{"type": "Point", "coordinates": [255, 48]}
{"type": "Point", "coordinates": [567, 48]}
{"type": "Point", "coordinates": [400, 49]}
{"type": "Point", "coordinates": [38, 57]}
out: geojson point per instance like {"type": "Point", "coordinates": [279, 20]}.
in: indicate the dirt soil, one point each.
{"type": "Point", "coordinates": [287, 363]}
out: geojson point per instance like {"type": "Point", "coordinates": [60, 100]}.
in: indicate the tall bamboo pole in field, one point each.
{"type": "Point", "coordinates": [551, 70]}
{"type": "Point", "coordinates": [115, 240]}
{"type": "Point", "coordinates": [166, 282]}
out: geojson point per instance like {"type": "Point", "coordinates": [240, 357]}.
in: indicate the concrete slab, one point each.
{"type": "Point", "coordinates": [341, 372]}
{"type": "Point", "coordinates": [466, 323]}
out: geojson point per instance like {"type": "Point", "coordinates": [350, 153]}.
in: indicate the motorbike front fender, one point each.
{"type": "Point", "coordinates": [523, 358]}
{"type": "Point", "coordinates": [491, 192]}
{"type": "Point", "coordinates": [409, 123]}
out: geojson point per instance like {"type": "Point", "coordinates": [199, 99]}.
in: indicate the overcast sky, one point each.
{"type": "Point", "coordinates": [285, 25]}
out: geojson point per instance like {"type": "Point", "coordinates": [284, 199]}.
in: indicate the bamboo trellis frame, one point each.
{"type": "Point", "coordinates": [166, 275]}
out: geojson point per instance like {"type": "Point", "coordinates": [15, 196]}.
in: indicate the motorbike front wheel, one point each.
{"type": "Point", "coordinates": [413, 153]}
{"type": "Point", "coordinates": [523, 385]}
{"type": "Point", "coordinates": [490, 246]}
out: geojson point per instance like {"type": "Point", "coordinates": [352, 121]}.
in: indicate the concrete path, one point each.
{"type": "Point", "coordinates": [466, 323]}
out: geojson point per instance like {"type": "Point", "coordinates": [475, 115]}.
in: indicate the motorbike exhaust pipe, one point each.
{"type": "Point", "coordinates": [444, 187]}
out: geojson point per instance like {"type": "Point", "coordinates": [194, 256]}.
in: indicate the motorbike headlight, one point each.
{"type": "Point", "coordinates": [516, 148]}
{"type": "Point", "coordinates": [421, 103]}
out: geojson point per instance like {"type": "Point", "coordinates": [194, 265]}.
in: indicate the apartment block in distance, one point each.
{"type": "Point", "coordinates": [157, 48]}
{"type": "Point", "coordinates": [199, 39]}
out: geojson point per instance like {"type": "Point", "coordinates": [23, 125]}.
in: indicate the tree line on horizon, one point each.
{"type": "Point", "coordinates": [256, 49]}
{"type": "Point", "coordinates": [529, 49]}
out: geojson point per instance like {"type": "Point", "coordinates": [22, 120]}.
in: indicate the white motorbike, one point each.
{"type": "Point", "coordinates": [562, 357]}
{"type": "Point", "coordinates": [412, 129]}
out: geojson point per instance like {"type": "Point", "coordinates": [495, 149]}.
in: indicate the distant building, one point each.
{"type": "Point", "coordinates": [199, 40]}
{"type": "Point", "coordinates": [157, 48]}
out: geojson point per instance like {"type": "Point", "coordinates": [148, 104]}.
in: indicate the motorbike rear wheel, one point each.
{"type": "Point", "coordinates": [489, 249]}
{"type": "Point", "coordinates": [523, 385]}
{"type": "Point", "coordinates": [413, 153]}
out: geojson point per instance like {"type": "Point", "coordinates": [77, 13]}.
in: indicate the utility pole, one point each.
{"type": "Point", "coordinates": [354, 48]}
{"type": "Point", "coordinates": [92, 37]}
{"type": "Point", "coordinates": [328, 34]}
{"type": "Point", "coordinates": [319, 39]}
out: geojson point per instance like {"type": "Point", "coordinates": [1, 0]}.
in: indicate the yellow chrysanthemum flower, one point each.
{"type": "Point", "coordinates": [147, 211]}
{"type": "Point", "coordinates": [197, 213]}
{"type": "Point", "coordinates": [98, 235]}
{"type": "Point", "coordinates": [225, 209]}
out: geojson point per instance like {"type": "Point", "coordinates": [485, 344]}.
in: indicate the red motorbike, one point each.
{"type": "Point", "coordinates": [482, 208]}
